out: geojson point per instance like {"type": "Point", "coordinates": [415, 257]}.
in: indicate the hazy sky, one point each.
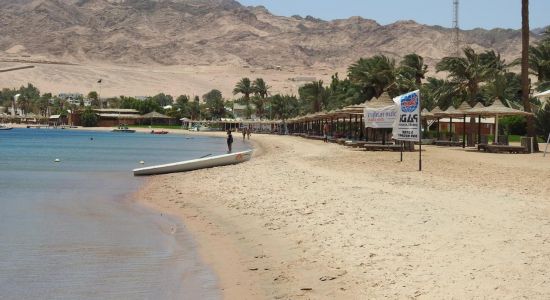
{"type": "Point", "coordinates": [473, 13]}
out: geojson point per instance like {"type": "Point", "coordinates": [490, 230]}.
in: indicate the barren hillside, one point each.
{"type": "Point", "coordinates": [221, 32]}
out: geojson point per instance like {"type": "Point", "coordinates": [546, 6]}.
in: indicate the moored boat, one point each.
{"type": "Point", "coordinates": [195, 164]}
{"type": "Point", "coordinates": [122, 128]}
{"type": "Point", "coordinates": [5, 127]}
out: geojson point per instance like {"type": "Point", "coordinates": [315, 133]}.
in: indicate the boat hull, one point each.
{"type": "Point", "coordinates": [195, 164]}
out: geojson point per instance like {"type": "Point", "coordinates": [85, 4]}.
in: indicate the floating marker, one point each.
{"type": "Point", "coordinates": [57, 160]}
{"type": "Point", "coordinates": [141, 162]}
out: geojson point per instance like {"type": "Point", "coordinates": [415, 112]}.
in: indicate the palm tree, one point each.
{"type": "Point", "coordinates": [260, 87]}
{"type": "Point", "coordinates": [315, 94]}
{"type": "Point", "coordinates": [413, 65]}
{"type": "Point", "coordinates": [525, 84]}
{"type": "Point", "coordinates": [539, 62]}
{"type": "Point", "coordinates": [24, 104]}
{"type": "Point", "coordinates": [468, 72]}
{"type": "Point", "coordinates": [261, 90]}
{"type": "Point", "coordinates": [244, 86]}
{"type": "Point", "coordinates": [374, 74]}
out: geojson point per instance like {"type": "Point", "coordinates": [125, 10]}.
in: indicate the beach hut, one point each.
{"type": "Point", "coordinates": [156, 116]}
{"type": "Point", "coordinates": [497, 109]}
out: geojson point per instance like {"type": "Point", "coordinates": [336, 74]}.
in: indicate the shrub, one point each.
{"type": "Point", "coordinates": [89, 118]}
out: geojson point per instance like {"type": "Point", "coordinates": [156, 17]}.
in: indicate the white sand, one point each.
{"type": "Point", "coordinates": [357, 225]}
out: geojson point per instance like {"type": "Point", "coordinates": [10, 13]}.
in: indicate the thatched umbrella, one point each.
{"type": "Point", "coordinates": [383, 101]}
{"type": "Point", "coordinates": [497, 109]}
{"type": "Point", "coordinates": [450, 112]}
{"type": "Point", "coordinates": [436, 111]}
{"type": "Point", "coordinates": [463, 109]}
{"type": "Point", "coordinates": [155, 116]}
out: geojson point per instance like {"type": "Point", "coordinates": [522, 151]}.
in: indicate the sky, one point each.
{"type": "Point", "coordinates": [472, 13]}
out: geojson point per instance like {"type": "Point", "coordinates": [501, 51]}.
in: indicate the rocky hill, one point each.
{"type": "Point", "coordinates": [215, 32]}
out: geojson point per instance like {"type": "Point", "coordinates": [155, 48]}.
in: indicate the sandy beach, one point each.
{"type": "Point", "coordinates": [309, 220]}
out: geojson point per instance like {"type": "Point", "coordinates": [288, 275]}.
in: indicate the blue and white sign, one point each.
{"type": "Point", "coordinates": [407, 124]}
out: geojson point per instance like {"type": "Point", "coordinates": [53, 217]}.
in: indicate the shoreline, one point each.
{"type": "Point", "coordinates": [304, 219]}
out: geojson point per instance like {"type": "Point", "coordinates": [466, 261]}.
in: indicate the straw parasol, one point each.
{"type": "Point", "coordinates": [383, 101]}
{"type": "Point", "coordinates": [463, 109]}
{"type": "Point", "coordinates": [497, 109]}
{"type": "Point", "coordinates": [427, 114]}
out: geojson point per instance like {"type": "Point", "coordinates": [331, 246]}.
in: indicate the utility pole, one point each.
{"type": "Point", "coordinates": [456, 28]}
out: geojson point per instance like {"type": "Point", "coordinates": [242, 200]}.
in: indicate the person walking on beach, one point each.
{"type": "Point", "coordinates": [325, 133]}
{"type": "Point", "coordinates": [229, 141]}
{"type": "Point", "coordinates": [244, 133]}
{"type": "Point", "coordinates": [248, 132]}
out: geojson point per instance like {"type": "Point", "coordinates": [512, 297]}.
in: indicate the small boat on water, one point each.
{"type": "Point", "coordinates": [122, 128]}
{"type": "Point", "coordinates": [5, 127]}
{"type": "Point", "coordinates": [159, 132]}
{"type": "Point", "coordinates": [195, 164]}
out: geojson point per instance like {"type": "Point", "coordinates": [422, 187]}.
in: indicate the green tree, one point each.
{"type": "Point", "coordinates": [94, 96]}
{"type": "Point", "coordinates": [214, 103]}
{"type": "Point", "coordinates": [244, 87]}
{"type": "Point", "coordinates": [183, 106]}
{"type": "Point", "coordinates": [44, 104]}
{"type": "Point", "coordinates": [412, 66]}
{"type": "Point", "coordinates": [343, 93]}
{"type": "Point", "coordinates": [539, 63]}
{"type": "Point", "coordinates": [194, 109]}
{"type": "Point", "coordinates": [261, 91]}
{"type": "Point", "coordinates": [374, 75]}
{"type": "Point", "coordinates": [542, 122]}
{"type": "Point", "coordinates": [505, 86]}
{"type": "Point", "coordinates": [163, 99]}
{"type": "Point", "coordinates": [315, 94]}
{"type": "Point", "coordinates": [467, 72]}
{"type": "Point", "coordinates": [284, 107]}
{"type": "Point", "coordinates": [89, 118]}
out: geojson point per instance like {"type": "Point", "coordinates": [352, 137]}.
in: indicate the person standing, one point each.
{"type": "Point", "coordinates": [248, 132]}
{"type": "Point", "coordinates": [244, 133]}
{"type": "Point", "coordinates": [229, 141]}
{"type": "Point", "coordinates": [325, 132]}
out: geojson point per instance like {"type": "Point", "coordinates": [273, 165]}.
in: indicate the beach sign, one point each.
{"type": "Point", "coordinates": [383, 117]}
{"type": "Point", "coordinates": [407, 123]}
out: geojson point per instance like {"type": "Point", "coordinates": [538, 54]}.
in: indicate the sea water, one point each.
{"type": "Point", "coordinates": [69, 231]}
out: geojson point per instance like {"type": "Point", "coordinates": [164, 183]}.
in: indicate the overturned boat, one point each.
{"type": "Point", "coordinates": [195, 164]}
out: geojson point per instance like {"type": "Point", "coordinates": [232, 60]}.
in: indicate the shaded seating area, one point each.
{"type": "Point", "coordinates": [346, 127]}
{"type": "Point", "coordinates": [465, 112]}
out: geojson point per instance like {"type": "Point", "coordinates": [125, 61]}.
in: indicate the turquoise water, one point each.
{"type": "Point", "coordinates": [69, 230]}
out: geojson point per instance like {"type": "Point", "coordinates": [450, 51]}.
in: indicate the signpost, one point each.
{"type": "Point", "coordinates": [407, 125]}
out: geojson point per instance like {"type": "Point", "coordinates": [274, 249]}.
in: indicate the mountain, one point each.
{"type": "Point", "coordinates": [219, 32]}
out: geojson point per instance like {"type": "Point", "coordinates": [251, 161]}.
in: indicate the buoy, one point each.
{"type": "Point", "coordinates": [57, 160]}
{"type": "Point", "coordinates": [141, 162]}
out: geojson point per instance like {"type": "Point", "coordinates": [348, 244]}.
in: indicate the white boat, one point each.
{"type": "Point", "coordinates": [195, 164]}
{"type": "Point", "coordinates": [5, 127]}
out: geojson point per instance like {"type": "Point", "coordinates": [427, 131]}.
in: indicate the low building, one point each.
{"type": "Point", "coordinates": [109, 117]}
{"type": "Point", "coordinates": [240, 111]}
